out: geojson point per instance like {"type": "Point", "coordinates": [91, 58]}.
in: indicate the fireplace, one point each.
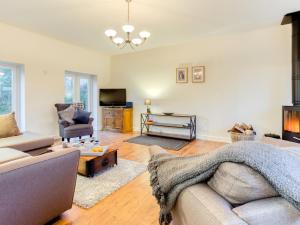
{"type": "Point", "coordinates": [291, 114]}
{"type": "Point", "coordinates": [291, 123]}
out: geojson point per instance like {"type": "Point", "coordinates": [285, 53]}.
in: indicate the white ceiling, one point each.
{"type": "Point", "coordinates": [83, 22]}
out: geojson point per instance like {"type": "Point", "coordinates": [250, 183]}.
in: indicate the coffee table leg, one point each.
{"type": "Point", "coordinates": [89, 169]}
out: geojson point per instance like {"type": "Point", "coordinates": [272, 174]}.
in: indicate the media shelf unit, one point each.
{"type": "Point", "coordinates": [117, 119]}
{"type": "Point", "coordinates": [148, 121]}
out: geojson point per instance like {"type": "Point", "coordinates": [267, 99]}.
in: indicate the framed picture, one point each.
{"type": "Point", "coordinates": [198, 74]}
{"type": "Point", "coordinates": [182, 75]}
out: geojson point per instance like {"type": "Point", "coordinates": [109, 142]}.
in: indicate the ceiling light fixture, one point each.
{"type": "Point", "coordinates": [128, 29]}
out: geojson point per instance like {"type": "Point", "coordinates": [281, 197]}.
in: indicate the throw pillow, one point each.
{"type": "Point", "coordinates": [8, 126]}
{"type": "Point", "coordinates": [67, 114]}
{"type": "Point", "coordinates": [81, 117]}
{"type": "Point", "coordinates": [239, 184]}
{"type": "Point", "coordinates": [78, 106]}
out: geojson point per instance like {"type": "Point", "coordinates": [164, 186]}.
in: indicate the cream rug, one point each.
{"type": "Point", "coordinates": [89, 191]}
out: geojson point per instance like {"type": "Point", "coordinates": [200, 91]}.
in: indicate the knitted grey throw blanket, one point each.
{"type": "Point", "coordinates": [171, 174]}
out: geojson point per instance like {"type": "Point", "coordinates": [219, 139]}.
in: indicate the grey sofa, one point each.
{"type": "Point", "coordinates": [34, 190]}
{"type": "Point", "coordinates": [66, 130]}
{"type": "Point", "coordinates": [200, 205]}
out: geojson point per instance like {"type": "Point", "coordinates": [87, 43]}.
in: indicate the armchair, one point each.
{"type": "Point", "coordinates": [68, 131]}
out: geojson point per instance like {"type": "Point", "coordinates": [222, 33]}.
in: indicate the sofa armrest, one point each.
{"type": "Point", "coordinates": [37, 189]}
{"type": "Point", "coordinates": [91, 120]}
{"type": "Point", "coordinates": [63, 123]}
{"type": "Point", "coordinates": [199, 204]}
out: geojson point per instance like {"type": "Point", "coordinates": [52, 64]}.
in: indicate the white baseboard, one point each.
{"type": "Point", "coordinates": [213, 138]}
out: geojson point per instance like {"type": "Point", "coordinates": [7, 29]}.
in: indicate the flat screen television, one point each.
{"type": "Point", "coordinates": [112, 97]}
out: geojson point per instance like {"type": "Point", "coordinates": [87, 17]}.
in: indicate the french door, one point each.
{"type": "Point", "coordinates": [79, 88]}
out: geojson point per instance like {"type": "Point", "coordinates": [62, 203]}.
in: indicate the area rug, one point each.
{"type": "Point", "coordinates": [167, 143]}
{"type": "Point", "coordinates": [89, 191]}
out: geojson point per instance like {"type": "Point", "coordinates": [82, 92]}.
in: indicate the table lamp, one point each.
{"type": "Point", "coordinates": [148, 103]}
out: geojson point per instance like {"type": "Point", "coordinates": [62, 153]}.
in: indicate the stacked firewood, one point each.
{"type": "Point", "coordinates": [242, 128]}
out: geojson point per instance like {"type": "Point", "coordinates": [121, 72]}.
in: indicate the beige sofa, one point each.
{"type": "Point", "coordinates": [200, 205]}
{"type": "Point", "coordinates": [32, 143]}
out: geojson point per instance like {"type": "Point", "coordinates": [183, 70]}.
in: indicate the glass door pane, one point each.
{"type": "Point", "coordinates": [69, 89]}
{"type": "Point", "coordinates": [84, 92]}
{"type": "Point", "coordinates": [6, 88]}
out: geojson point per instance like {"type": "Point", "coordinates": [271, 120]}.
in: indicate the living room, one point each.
{"type": "Point", "coordinates": [70, 57]}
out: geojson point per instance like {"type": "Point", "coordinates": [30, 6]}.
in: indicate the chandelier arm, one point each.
{"type": "Point", "coordinates": [124, 45]}
{"type": "Point", "coordinates": [131, 46]}
{"type": "Point", "coordinates": [143, 41]}
{"type": "Point", "coordinates": [112, 40]}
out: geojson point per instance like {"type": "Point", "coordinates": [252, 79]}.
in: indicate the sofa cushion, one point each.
{"type": "Point", "coordinates": [275, 211]}
{"type": "Point", "coordinates": [27, 141]}
{"type": "Point", "coordinates": [78, 130]}
{"type": "Point", "coordinates": [9, 154]}
{"type": "Point", "coordinates": [8, 126]}
{"type": "Point", "coordinates": [67, 114]}
{"type": "Point", "coordinates": [239, 184]}
{"type": "Point", "coordinates": [199, 204]}
{"type": "Point", "coordinates": [81, 117]}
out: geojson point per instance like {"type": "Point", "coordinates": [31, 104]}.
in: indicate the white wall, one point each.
{"type": "Point", "coordinates": [45, 60]}
{"type": "Point", "coordinates": [248, 79]}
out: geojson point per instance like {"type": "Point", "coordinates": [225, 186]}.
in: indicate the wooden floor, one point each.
{"type": "Point", "coordinates": [132, 204]}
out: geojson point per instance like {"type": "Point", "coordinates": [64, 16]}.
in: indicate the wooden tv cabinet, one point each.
{"type": "Point", "coordinates": [117, 119]}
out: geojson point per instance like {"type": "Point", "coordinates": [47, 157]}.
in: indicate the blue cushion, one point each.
{"type": "Point", "coordinates": [81, 117]}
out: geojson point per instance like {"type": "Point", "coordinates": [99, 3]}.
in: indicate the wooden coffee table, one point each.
{"type": "Point", "coordinates": [90, 165]}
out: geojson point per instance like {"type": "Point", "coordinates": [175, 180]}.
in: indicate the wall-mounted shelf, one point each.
{"type": "Point", "coordinates": [148, 121]}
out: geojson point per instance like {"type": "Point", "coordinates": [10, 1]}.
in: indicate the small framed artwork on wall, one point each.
{"type": "Point", "coordinates": [198, 74]}
{"type": "Point", "coordinates": [182, 75]}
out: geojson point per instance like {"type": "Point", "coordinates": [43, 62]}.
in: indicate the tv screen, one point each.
{"type": "Point", "coordinates": [112, 97]}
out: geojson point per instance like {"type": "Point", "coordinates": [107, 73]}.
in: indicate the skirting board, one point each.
{"type": "Point", "coordinates": [213, 138]}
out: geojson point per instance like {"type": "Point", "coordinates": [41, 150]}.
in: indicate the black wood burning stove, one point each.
{"type": "Point", "coordinates": [291, 114]}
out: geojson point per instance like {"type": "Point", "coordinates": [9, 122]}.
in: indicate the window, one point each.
{"type": "Point", "coordinates": [6, 90]}
{"type": "Point", "coordinates": [69, 88]}
{"type": "Point", "coordinates": [11, 91]}
{"type": "Point", "coordinates": [84, 92]}
{"type": "Point", "coordinates": [80, 88]}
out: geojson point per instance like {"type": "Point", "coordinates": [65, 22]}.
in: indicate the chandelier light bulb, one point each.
{"type": "Point", "coordinates": [110, 33]}
{"type": "Point", "coordinates": [144, 34]}
{"type": "Point", "coordinates": [118, 40]}
{"type": "Point", "coordinates": [128, 28]}
{"type": "Point", "coordinates": [137, 41]}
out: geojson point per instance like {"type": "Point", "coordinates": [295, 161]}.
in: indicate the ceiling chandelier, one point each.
{"type": "Point", "coordinates": [128, 29]}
